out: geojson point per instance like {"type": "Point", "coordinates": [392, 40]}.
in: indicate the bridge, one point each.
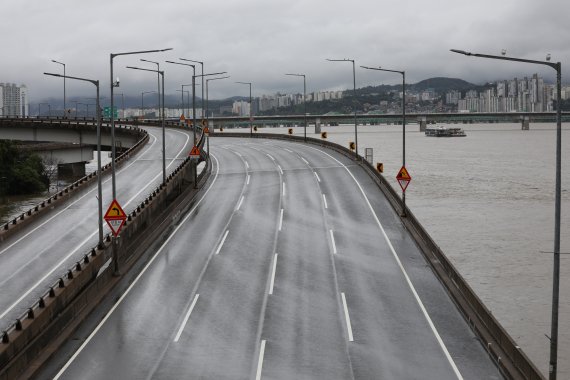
{"type": "Point", "coordinates": [283, 260]}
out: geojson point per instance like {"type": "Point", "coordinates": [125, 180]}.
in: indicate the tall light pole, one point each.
{"type": "Point", "coordinates": [354, 83]}
{"type": "Point", "coordinates": [188, 102]}
{"type": "Point", "coordinates": [304, 100]}
{"type": "Point", "coordinates": [182, 97]}
{"type": "Point", "coordinates": [403, 123]}
{"type": "Point", "coordinates": [64, 103]}
{"type": "Point", "coordinates": [207, 99]}
{"type": "Point", "coordinates": [250, 109]}
{"type": "Point", "coordinates": [122, 103]}
{"type": "Point", "coordinates": [142, 101]}
{"type": "Point", "coordinates": [99, 191]}
{"type": "Point", "coordinates": [158, 83]}
{"type": "Point", "coordinates": [193, 96]}
{"type": "Point", "coordinates": [113, 85]}
{"type": "Point", "coordinates": [202, 75]}
{"type": "Point", "coordinates": [557, 200]}
{"type": "Point", "coordinates": [161, 73]}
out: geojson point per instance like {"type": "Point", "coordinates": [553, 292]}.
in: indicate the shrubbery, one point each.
{"type": "Point", "coordinates": [20, 172]}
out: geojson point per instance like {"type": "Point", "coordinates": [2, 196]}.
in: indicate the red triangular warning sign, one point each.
{"type": "Point", "coordinates": [115, 211]}
{"type": "Point", "coordinates": [403, 174]}
{"type": "Point", "coordinates": [115, 217]}
{"type": "Point", "coordinates": [195, 152]}
{"type": "Point", "coordinates": [182, 118]}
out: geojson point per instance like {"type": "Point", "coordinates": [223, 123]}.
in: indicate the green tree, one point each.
{"type": "Point", "coordinates": [20, 172]}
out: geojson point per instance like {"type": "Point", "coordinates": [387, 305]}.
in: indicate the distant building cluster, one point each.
{"type": "Point", "coordinates": [13, 100]}
{"type": "Point", "coordinates": [269, 102]}
{"type": "Point", "coordinates": [516, 95]}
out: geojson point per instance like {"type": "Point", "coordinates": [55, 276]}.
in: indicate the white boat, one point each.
{"type": "Point", "coordinates": [440, 131]}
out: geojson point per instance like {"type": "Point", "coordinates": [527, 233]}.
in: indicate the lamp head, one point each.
{"type": "Point", "coordinates": [548, 57]}
{"type": "Point", "coordinates": [503, 52]}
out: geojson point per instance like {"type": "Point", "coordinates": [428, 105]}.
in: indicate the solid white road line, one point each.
{"type": "Point", "coordinates": [325, 201]}
{"type": "Point", "coordinates": [260, 361]}
{"type": "Point", "coordinates": [305, 161]}
{"type": "Point", "coordinates": [246, 165]}
{"type": "Point", "coordinates": [273, 274]}
{"type": "Point", "coordinates": [403, 270]}
{"type": "Point", "coordinates": [288, 150]}
{"type": "Point", "coordinates": [280, 170]}
{"type": "Point", "coordinates": [185, 321]}
{"type": "Point", "coordinates": [347, 318]}
{"type": "Point", "coordinates": [283, 188]}
{"type": "Point", "coordinates": [316, 175]}
{"type": "Point", "coordinates": [240, 202]}
{"type": "Point", "coordinates": [248, 176]}
{"type": "Point", "coordinates": [281, 220]}
{"type": "Point", "coordinates": [222, 242]}
{"type": "Point", "coordinates": [143, 271]}
{"type": "Point", "coordinates": [270, 156]}
{"type": "Point", "coordinates": [332, 241]}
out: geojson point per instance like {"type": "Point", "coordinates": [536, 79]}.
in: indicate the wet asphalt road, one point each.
{"type": "Point", "coordinates": [291, 265]}
{"type": "Point", "coordinates": [34, 258]}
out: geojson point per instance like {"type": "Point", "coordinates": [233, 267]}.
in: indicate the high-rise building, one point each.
{"type": "Point", "coordinates": [14, 100]}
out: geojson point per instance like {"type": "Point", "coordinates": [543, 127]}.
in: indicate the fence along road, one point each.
{"type": "Point", "coordinates": [291, 265]}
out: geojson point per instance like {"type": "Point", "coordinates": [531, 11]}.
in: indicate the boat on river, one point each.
{"type": "Point", "coordinates": [440, 131]}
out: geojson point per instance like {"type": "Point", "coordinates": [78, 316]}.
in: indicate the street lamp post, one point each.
{"type": "Point", "coordinates": [557, 200]}
{"type": "Point", "coordinates": [75, 101]}
{"type": "Point", "coordinates": [182, 94]}
{"type": "Point", "coordinates": [158, 83]}
{"type": "Point", "coordinates": [161, 73]}
{"type": "Point", "coordinates": [113, 85]}
{"type": "Point", "coordinates": [250, 109]}
{"type": "Point", "coordinates": [193, 96]}
{"type": "Point", "coordinates": [142, 101]}
{"type": "Point", "coordinates": [99, 187]}
{"type": "Point", "coordinates": [403, 123]}
{"type": "Point", "coordinates": [354, 83]}
{"type": "Point", "coordinates": [207, 100]}
{"type": "Point", "coordinates": [202, 75]}
{"type": "Point", "coordinates": [304, 100]}
{"type": "Point", "coordinates": [187, 102]}
{"type": "Point", "coordinates": [63, 64]}
{"type": "Point", "coordinates": [122, 103]}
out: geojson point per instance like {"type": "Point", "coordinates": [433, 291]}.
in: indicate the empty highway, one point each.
{"type": "Point", "coordinates": [290, 265]}
{"type": "Point", "coordinates": [35, 257]}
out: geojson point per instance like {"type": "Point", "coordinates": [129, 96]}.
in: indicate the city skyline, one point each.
{"type": "Point", "coordinates": [259, 42]}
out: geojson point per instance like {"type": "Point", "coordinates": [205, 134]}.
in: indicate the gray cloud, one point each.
{"type": "Point", "coordinates": [259, 41]}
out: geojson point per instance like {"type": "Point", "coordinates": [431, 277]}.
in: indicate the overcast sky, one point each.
{"type": "Point", "coordinates": [260, 40]}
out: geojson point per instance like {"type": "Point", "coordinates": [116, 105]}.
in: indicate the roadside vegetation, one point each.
{"type": "Point", "coordinates": [21, 173]}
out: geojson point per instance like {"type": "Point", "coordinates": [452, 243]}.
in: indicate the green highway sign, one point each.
{"type": "Point", "coordinates": [107, 112]}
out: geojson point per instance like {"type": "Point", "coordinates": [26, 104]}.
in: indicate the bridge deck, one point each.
{"type": "Point", "coordinates": [291, 265]}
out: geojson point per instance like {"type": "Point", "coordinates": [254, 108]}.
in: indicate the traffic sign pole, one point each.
{"type": "Point", "coordinates": [404, 178]}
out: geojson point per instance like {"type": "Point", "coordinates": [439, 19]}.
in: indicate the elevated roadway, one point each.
{"type": "Point", "coordinates": [32, 259]}
{"type": "Point", "coordinates": [290, 265]}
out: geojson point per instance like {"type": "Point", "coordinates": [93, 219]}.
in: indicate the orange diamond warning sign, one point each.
{"type": "Point", "coordinates": [115, 217]}
{"type": "Point", "coordinates": [195, 152]}
{"type": "Point", "coordinates": [403, 178]}
{"type": "Point", "coordinates": [206, 130]}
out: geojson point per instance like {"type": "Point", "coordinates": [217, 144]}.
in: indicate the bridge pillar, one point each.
{"type": "Point", "coordinates": [525, 123]}
{"type": "Point", "coordinates": [423, 123]}
{"type": "Point", "coordinates": [73, 169]}
{"type": "Point", "coordinates": [318, 125]}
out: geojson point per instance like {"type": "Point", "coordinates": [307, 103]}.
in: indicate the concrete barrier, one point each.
{"type": "Point", "coordinates": [510, 359]}
{"type": "Point", "coordinates": [31, 339]}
